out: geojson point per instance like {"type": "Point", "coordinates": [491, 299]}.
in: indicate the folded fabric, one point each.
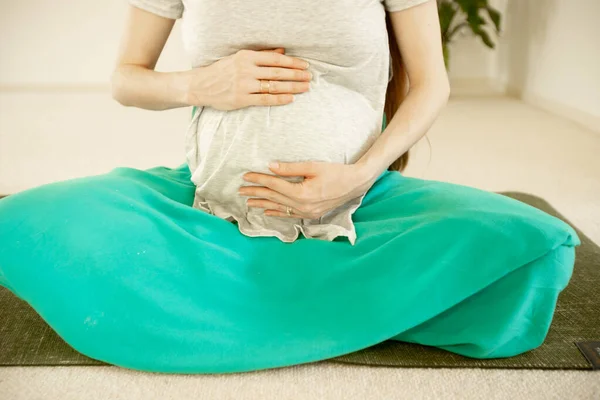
{"type": "Point", "coordinates": [127, 272]}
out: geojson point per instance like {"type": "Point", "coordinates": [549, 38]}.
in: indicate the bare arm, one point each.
{"type": "Point", "coordinates": [134, 81]}
{"type": "Point", "coordinates": [417, 30]}
{"type": "Point", "coordinates": [229, 83]}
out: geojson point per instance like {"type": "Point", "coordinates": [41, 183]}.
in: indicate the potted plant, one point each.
{"type": "Point", "coordinates": [457, 15]}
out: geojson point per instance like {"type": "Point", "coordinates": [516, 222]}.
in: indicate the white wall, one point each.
{"type": "Point", "coordinates": [550, 56]}
{"type": "Point", "coordinates": [67, 43]}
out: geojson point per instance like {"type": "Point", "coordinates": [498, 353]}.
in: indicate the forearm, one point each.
{"type": "Point", "coordinates": [137, 86]}
{"type": "Point", "coordinates": [411, 121]}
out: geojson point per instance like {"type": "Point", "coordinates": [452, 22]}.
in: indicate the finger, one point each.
{"type": "Point", "coordinates": [274, 59]}
{"type": "Point", "coordinates": [265, 193]}
{"type": "Point", "coordinates": [280, 50]}
{"type": "Point", "coordinates": [277, 213]}
{"type": "Point", "coordinates": [282, 74]}
{"type": "Point", "coordinates": [266, 99]}
{"type": "Point", "coordinates": [282, 87]}
{"type": "Point", "coordinates": [280, 186]}
{"type": "Point", "coordinates": [273, 206]}
{"type": "Point", "coordinates": [309, 168]}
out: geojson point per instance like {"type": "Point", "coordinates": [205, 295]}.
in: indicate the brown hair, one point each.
{"type": "Point", "coordinates": [396, 90]}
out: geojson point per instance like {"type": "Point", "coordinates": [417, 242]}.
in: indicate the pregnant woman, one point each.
{"type": "Point", "coordinates": [289, 235]}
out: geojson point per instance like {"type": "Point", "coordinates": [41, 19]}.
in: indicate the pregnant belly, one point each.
{"type": "Point", "coordinates": [328, 123]}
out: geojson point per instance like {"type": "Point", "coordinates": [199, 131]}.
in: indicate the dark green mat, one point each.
{"type": "Point", "coordinates": [25, 338]}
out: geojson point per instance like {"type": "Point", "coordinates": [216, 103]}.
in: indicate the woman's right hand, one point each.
{"type": "Point", "coordinates": [233, 82]}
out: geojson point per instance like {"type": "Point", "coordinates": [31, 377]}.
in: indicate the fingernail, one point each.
{"type": "Point", "coordinates": [307, 64]}
{"type": "Point", "coordinates": [274, 165]}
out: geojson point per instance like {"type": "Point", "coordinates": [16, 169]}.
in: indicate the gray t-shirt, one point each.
{"type": "Point", "coordinates": [346, 44]}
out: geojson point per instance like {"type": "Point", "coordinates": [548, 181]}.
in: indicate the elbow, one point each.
{"type": "Point", "coordinates": [444, 89]}
{"type": "Point", "coordinates": [440, 91]}
{"type": "Point", "coordinates": [436, 90]}
{"type": "Point", "coordinates": [117, 88]}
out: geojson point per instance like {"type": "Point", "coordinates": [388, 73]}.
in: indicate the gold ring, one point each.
{"type": "Point", "coordinates": [264, 89]}
{"type": "Point", "coordinates": [289, 211]}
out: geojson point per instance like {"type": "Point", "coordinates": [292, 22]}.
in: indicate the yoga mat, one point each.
{"type": "Point", "coordinates": [26, 339]}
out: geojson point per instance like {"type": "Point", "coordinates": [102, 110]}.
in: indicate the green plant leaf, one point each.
{"type": "Point", "coordinates": [454, 30]}
{"type": "Point", "coordinates": [485, 37]}
{"type": "Point", "coordinates": [446, 52]}
{"type": "Point", "coordinates": [475, 19]}
{"type": "Point", "coordinates": [470, 6]}
{"type": "Point", "coordinates": [447, 12]}
{"type": "Point", "coordinates": [495, 17]}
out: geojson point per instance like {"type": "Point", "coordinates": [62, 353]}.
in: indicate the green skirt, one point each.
{"type": "Point", "coordinates": [127, 272]}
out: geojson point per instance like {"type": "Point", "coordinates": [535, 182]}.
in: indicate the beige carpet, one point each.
{"type": "Point", "coordinates": [309, 381]}
{"type": "Point", "coordinates": [493, 143]}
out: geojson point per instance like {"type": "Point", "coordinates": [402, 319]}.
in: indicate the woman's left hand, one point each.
{"type": "Point", "coordinates": [326, 186]}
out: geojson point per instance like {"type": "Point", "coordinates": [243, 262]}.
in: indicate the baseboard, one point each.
{"type": "Point", "coordinates": [582, 118]}
{"type": "Point", "coordinates": [475, 87]}
{"type": "Point", "coordinates": [489, 87]}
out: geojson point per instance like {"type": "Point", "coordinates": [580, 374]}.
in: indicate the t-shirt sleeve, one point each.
{"type": "Point", "coordinates": [399, 5]}
{"type": "Point", "coordinates": [172, 9]}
